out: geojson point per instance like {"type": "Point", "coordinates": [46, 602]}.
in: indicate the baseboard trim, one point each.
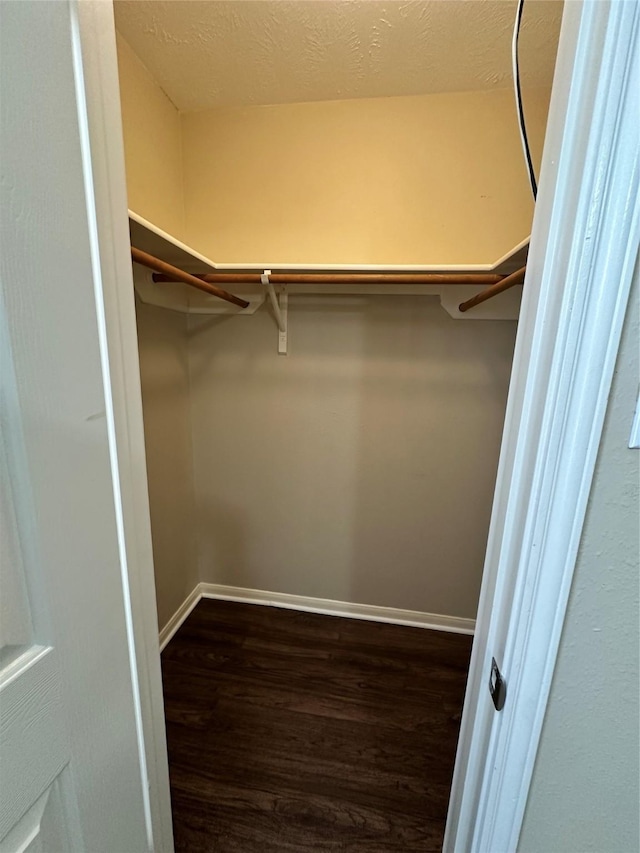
{"type": "Point", "coordinates": [179, 616]}
{"type": "Point", "coordinates": [325, 606]}
{"type": "Point", "coordinates": [328, 607]}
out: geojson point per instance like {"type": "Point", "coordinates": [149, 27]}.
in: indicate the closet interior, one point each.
{"type": "Point", "coordinates": [329, 218]}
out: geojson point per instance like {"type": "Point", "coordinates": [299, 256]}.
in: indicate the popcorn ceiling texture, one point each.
{"type": "Point", "coordinates": [243, 52]}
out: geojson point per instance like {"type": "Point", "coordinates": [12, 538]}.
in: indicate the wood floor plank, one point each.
{"type": "Point", "coordinates": [291, 731]}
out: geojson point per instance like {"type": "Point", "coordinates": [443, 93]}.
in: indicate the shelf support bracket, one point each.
{"type": "Point", "coordinates": [280, 305]}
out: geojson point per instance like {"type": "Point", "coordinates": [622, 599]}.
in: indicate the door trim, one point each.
{"type": "Point", "coordinates": [98, 96]}
{"type": "Point", "coordinates": [584, 246]}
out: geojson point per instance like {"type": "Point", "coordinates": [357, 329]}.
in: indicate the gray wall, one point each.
{"type": "Point", "coordinates": [585, 793]}
{"type": "Point", "coordinates": [361, 466]}
{"type": "Point", "coordinates": [162, 342]}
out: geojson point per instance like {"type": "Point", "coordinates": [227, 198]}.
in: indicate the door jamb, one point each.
{"type": "Point", "coordinates": [103, 154]}
{"type": "Point", "coordinates": [584, 245]}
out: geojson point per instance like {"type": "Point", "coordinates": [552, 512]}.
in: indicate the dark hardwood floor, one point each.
{"type": "Point", "coordinates": [291, 731]}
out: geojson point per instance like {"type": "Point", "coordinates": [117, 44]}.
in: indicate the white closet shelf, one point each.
{"type": "Point", "coordinates": [178, 297]}
{"type": "Point", "coordinates": [153, 240]}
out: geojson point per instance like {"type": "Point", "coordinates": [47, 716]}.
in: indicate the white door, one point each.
{"type": "Point", "coordinates": [72, 752]}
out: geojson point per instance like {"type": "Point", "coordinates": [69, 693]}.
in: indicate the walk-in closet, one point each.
{"type": "Point", "coordinates": [330, 207]}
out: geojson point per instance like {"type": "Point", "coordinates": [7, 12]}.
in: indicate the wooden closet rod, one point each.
{"type": "Point", "coordinates": [175, 274]}
{"type": "Point", "coordinates": [346, 278]}
{"type": "Point", "coordinates": [516, 277]}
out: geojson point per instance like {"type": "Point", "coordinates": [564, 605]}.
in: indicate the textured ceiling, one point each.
{"type": "Point", "coordinates": [238, 52]}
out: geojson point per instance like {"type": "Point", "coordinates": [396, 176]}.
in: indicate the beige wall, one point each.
{"type": "Point", "coordinates": [585, 789]}
{"type": "Point", "coordinates": [165, 396]}
{"type": "Point", "coordinates": [361, 466]}
{"type": "Point", "coordinates": [153, 154]}
{"type": "Point", "coordinates": [427, 179]}
{"type": "Point", "coordinates": [152, 145]}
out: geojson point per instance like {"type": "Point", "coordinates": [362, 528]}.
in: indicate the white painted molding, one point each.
{"type": "Point", "coordinates": [328, 607]}
{"type": "Point", "coordinates": [308, 604]}
{"type": "Point", "coordinates": [180, 615]}
{"type": "Point", "coordinates": [101, 123]}
{"type": "Point", "coordinates": [325, 606]}
{"type": "Point", "coordinates": [583, 249]}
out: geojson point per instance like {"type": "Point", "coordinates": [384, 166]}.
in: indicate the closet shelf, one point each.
{"type": "Point", "coordinates": [149, 238]}
{"type": "Point", "coordinates": [459, 287]}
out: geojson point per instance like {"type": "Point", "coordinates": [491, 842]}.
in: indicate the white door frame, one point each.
{"type": "Point", "coordinates": [583, 249]}
{"type": "Point", "coordinates": [582, 252]}
{"type": "Point", "coordinates": [100, 122]}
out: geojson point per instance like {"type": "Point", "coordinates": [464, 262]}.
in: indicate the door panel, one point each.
{"type": "Point", "coordinates": [15, 618]}
{"type": "Point", "coordinates": [72, 766]}
{"type": "Point", "coordinates": [33, 742]}
{"type": "Point", "coordinates": [34, 746]}
{"type": "Point", "coordinates": [45, 827]}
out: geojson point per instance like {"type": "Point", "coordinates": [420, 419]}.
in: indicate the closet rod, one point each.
{"type": "Point", "coordinates": [344, 278]}
{"type": "Point", "coordinates": [516, 277]}
{"type": "Point", "coordinates": [176, 274]}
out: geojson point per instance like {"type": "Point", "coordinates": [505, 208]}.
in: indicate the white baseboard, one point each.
{"type": "Point", "coordinates": [328, 607]}
{"type": "Point", "coordinates": [179, 616]}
